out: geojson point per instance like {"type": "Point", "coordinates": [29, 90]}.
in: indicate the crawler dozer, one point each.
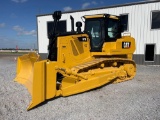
{"type": "Point", "coordinates": [79, 61]}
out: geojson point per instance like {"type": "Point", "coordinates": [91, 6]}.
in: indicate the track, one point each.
{"type": "Point", "coordinates": [128, 65]}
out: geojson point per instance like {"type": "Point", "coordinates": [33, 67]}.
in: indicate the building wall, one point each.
{"type": "Point", "coordinates": [140, 59]}
{"type": "Point", "coordinates": [139, 24]}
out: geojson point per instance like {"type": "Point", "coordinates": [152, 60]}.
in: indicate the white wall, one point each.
{"type": "Point", "coordinates": [42, 32]}
{"type": "Point", "coordinates": [139, 24]}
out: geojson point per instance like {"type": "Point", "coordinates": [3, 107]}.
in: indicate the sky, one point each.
{"type": "Point", "coordinates": [18, 25]}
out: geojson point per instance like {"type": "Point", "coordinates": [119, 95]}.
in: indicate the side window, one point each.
{"type": "Point", "coordinates": [61, 26]}
{"type": "Point", "coordinates": [149, 52]}
{"type": "Point", "coordinates": [155, 19]}
{"type": "Point", "coordinates": [124, 22]}
{"type": "Point", "coordinates": [113, 28]}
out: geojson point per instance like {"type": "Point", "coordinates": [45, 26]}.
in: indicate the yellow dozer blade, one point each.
{"type": "Point", "coordinates": [31, 73]}
{"type": "Point", "coordinates": [25, 66]}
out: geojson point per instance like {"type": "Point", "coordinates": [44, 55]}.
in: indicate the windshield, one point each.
{"type": "Point", "coordinates": [93, 28]}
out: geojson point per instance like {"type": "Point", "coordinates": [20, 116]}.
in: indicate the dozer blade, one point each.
{"type": "Point", "coordinates": [32, 73]}
{"type": "Point", "coordinates": [24, 68]}
{"type": "Point", "coordinates": [43, 82]}
{"type": "Point", "coordinates": [38, 84]}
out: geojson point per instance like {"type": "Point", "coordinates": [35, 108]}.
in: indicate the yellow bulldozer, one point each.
{"type": "Point", "coordinates": [79, 61]}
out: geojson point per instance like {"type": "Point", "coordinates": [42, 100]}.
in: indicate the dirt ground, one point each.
{"type": "Point", "coordinates": [137, 99]}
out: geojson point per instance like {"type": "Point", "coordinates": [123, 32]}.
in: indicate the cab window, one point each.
{"type": "Point", "coordinates": [113, 28]}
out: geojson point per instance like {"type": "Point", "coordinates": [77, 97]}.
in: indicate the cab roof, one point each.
{"type": "Point", "coordinates": [101, 16]}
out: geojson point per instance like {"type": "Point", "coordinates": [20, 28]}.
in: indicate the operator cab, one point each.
{"type": "Point", "coordinates": [102, 28]}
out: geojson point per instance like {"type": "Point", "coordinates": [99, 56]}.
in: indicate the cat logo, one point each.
{"type": "Point", "coordinates": [126, 45]}
{"type": "Point", "coordinates": [82, 39]}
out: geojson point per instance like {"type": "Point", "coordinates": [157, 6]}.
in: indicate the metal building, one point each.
{"type": "Point", "coordinates": [141, 20]}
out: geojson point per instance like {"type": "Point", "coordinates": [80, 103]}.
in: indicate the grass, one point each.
{"type": "Point", "coordinates": [13, 53]}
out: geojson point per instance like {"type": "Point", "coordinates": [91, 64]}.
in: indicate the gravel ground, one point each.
{"type": "Point", "coordinates": [138, 99]}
